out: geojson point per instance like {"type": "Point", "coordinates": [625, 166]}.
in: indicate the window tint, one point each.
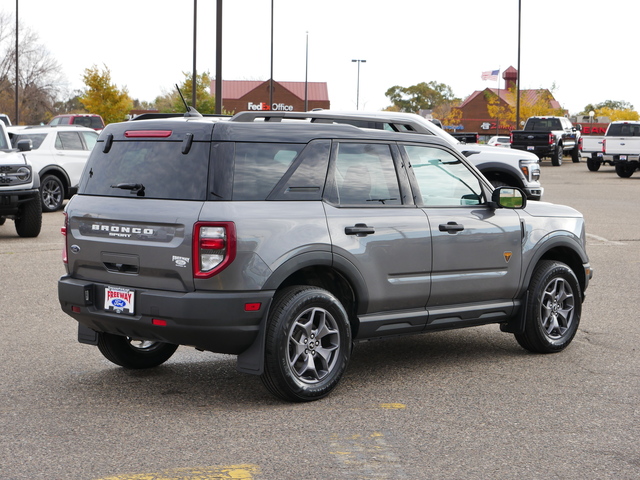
{"type": "Point", "coordinates": [365, 175]}
{"type": "Point", "coordinates": [90, 139]}
{"type": "Point", "coordinates": [259, 167]}
{"type": "Point", "coordinates": [544, 124]}
{"type": "Point", "coordinates": [443, 179]}
{"type": "Point", "coordinates": [36, 139]}
{"type": "Point", "coordinates": [624, 130]}
{"type": "Point", "coordinates": [160, 167]}
{"type": "Point", "coordinates": [68, 141]}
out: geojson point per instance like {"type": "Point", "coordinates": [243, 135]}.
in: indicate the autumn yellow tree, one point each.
{"type": "Point", "coordinates": [103, 97]}
{"type": "Point", "coordinates": [532, 103]}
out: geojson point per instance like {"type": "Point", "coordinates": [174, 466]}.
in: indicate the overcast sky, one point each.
{"type": "Point", "coordinates": [584, 48]}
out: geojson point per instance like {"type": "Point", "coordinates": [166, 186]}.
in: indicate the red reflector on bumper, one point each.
{"type": "Point", "coordinates": [158, 322]}
{"type": "Point", "coordinates": [252, 307]}
{"type": "Point", "coordinates": [75, 309]}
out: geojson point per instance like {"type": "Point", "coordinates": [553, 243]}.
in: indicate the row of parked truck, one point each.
{"type": "Point", "coordinates": [619, 147]}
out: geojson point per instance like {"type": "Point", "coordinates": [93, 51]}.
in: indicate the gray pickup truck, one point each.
{"type": "Point", "coordinates": [285, 244]}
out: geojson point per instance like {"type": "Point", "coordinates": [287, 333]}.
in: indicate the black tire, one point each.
{"type": "Point", "coordinates": [134, 354]}
{"type": "Point", "coordinates": [553, 310]}
{"type": "Point", "coordinates": [308, 344]}
{"type": "Point", "coordinates": [29, 219]}
{"type": "Point", "coordinates": [593, 164]}
{"type": "Point", "coordinates": [556, 158]}
{"type": "Point", "coordinates": [575, 154]}
{"type": "Point", "coordinates": [625, 170]}
{"type": "Point", "coordinates": [51, 193]}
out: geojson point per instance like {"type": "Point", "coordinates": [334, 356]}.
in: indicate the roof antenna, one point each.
{"type": "Point", "coordinates": [191, 112]}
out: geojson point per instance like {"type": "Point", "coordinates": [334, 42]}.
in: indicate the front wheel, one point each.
{"type": "Point", "coordinates": [308, 344]}
{"type": "Point", "coordinates": [29, 219]}
{"type": "Point", "coordinates": [553, 310]}
{"type": "Point", "coordinates": [625, 170]}
{"type": "Point", "coordinates": [575, 154]}
{"type": "Point", "coordinates": [134, 354]}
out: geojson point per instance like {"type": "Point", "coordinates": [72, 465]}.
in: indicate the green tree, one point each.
{"type": "Point", "coordinates": [103, 97]}
{"type": "Point", "coordinates": [423, 96]}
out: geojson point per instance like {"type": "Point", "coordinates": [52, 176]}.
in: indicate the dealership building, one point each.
{"type": "Point", "coordinates": [242, 95]}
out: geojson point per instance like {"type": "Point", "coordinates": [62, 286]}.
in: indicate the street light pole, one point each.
{"type": "Point", "coordinates": [358, 84]}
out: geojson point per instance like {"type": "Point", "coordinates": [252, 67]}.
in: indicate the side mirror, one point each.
{"type": "Point", "coordinates": [508, 197]}
{"type": "Point", "coordinates": [25, 145]}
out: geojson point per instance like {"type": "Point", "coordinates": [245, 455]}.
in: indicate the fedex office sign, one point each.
{"type": "Point", "coordinates": [276, 107]}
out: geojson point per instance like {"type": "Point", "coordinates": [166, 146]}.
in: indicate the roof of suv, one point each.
{"type": "Point", "coordinates": [204, 129]}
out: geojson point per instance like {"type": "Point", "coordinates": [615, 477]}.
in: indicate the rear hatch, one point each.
{"type": "Point", "coordinates": [140, 195]}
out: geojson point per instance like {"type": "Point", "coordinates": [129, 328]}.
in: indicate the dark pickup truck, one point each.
{"type": "Point", "coordinates": [550, 137]}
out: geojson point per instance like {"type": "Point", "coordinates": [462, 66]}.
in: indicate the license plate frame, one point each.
{"type": "Point", "coordinates": [531, 149]}
{"type": "Point", "coordinates": [119, 300]}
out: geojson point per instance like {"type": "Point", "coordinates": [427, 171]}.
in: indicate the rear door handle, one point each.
{"type": "Point", "coordinates": [360, 230]}
{"type": "Point", "coordinates": [451, 227]}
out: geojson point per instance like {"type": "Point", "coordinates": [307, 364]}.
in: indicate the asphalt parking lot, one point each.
{"type": "Point", "coordinates": [468, 404]}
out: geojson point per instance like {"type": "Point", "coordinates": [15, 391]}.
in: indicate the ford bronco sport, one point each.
{"type": "Point", "coordinates": [284, 244]}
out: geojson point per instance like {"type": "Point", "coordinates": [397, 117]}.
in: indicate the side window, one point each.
{"type": "Point", "coordinates": [365, 175]}
{"type": "Point", "coordinates": [259, 167]}
{"type": "Point", "coordinates": [90, 139]}
{"type": "Point", "coordinates": [443, 179]}
{"type": "Point", "coordinates": [68, 141]}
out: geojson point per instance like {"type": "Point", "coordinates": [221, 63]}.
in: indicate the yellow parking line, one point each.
{"type": "Point", "coordinates": [229, 472]}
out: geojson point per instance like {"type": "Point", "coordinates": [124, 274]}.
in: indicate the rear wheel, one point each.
{"type": "Point", "coordinates": [29, 219]}
{"type": "Point", "coordinates": [553, 310]}
{"type": "Point", "coordinates": [135, 354]}
{"type": "Point", "coordinates": [625, 170]}
{"type": "Point", "coordinates": [594, 163]}
{"type": "Point", "coordinates": [308, 344]}
{"type": "Point", "coordinates": [52, 193]}
{"type": "Point", "coordinates": [556, 158]}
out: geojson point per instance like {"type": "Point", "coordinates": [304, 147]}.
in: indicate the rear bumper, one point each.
{"type": "Point", "coordinates": [213, 321]}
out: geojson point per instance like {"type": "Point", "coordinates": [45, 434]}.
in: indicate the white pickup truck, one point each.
{"type": "Point", "coordinates": [622, 141]}
{"type": "Point", "coordinates": [591, 149]}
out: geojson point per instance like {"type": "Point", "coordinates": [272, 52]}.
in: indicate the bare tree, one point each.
{"type": "Point", "coordinates": [40, 82]}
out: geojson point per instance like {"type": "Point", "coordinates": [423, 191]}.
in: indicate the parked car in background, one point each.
{"type": "Point", "coordinates": [550, 137]}
{"type": "Point", "coordinates": [88, 120]}
{"type": "Point", "coordinates": [58, 155]}
{"type": "Point", "coordinates": [500, 142]}
{"type": "Point", "coordinates": [591, 148]}
{"type": "Point", "coordinates": [19, 194]}
{"type": "Point", "coordinates": [622, 142]}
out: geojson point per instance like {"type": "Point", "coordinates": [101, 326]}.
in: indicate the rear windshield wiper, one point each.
{"type": "Point", "coordinates": [136, 188]}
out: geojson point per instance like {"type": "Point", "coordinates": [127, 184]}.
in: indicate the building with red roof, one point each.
{"type": "Point", "coordinates": [242, 95]}
{"type": "Point", "coordinates": [475, 113]}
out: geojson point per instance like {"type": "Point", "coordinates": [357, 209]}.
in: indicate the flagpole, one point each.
{"type": "Point", "coordinates": [498, 109]}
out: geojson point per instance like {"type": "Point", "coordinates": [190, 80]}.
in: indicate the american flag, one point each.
{"type": "Point", "coordinates": [490, 75]}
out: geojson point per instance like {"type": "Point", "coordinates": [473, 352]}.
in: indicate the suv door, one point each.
{"type": "Point", "coordinates": [72, 150]}
{"type": "Point", "coordinates": [375, 227]}
{"type": "Point", "coordinates": [476, 248]}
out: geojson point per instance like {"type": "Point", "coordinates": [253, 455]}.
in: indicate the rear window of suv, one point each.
{"type": "Point", "coordinates": [160, 167]}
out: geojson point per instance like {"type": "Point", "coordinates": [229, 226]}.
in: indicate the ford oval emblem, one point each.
{"type": "Point", "coordinates": [75, 248]}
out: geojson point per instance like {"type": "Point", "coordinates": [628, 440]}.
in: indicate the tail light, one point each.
{"type": "Point", "coordinates": [604, 145]}
{"type": "Point", "coordinates": [580, 144]}
{"type": "Point", "coordinates": [63, 231]}
{"type": "Point", "coordinates": [511, 137]}
{"type": "Point", "coordinates": [214, 247]}
{"type": "Point", "coordinates": [551, 141]}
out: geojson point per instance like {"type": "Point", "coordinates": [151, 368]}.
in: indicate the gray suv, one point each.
{"type": "Point", "coordinates": [285, 244]}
